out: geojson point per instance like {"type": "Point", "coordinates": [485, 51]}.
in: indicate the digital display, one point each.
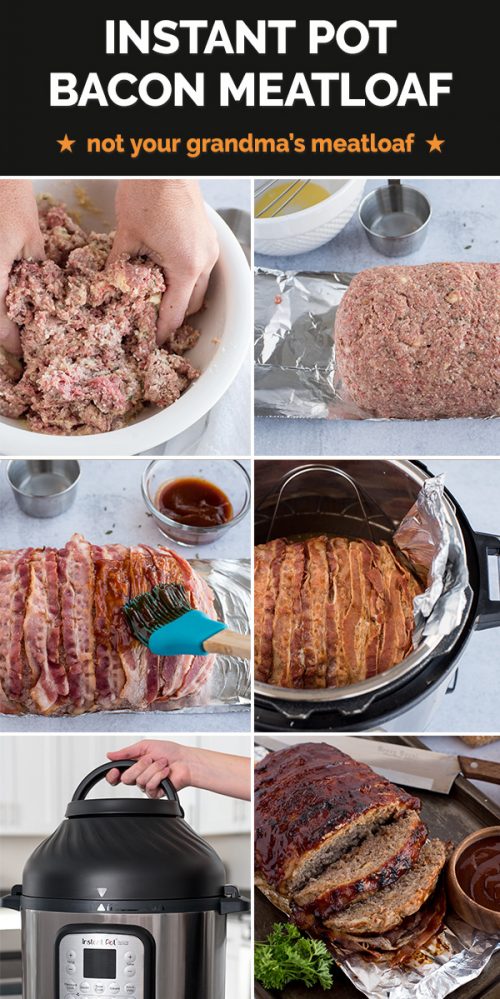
{"type": "Point", "coordinates": [99, 963]}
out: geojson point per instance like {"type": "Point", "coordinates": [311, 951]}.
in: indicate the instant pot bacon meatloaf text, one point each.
{"type": "Point", "coordinates": [65, 647]}
{"type": "Point", "coordinates": [88, 335]}
{"type": "Point", "coordinates": [422, 342]}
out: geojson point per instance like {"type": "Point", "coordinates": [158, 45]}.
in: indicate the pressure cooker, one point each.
{"type": "Point", "coordinates": [367, 498]}
{"type": "Point", "coordinates": [124, 900]}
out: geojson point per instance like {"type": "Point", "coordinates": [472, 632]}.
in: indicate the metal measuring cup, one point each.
{"type": "Point", "coordinates": [395, 218]}
{"type": "Point", "coordinates": [43, 488]}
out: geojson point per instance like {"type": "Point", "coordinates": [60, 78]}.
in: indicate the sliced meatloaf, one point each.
{"type": "Point", "coordinates": [312, 803]}
{"type": "Point", "coordinates": [391, 905]}
{"type": "Point", "coordinates": [422, 342]}
{"type": "Point", "coordinates": [398, 946]}
{"type": "Point", "coordinates": [330, 611]}
{"type": "Point", "coordinates": [381, 859]}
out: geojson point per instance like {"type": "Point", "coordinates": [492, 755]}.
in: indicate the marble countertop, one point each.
{"type": "Point", "coordinates": [109, 508]}
{"type": "Point", "coordinates": [465, 226]}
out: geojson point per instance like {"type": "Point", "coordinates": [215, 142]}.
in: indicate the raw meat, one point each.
{"type": "Point", "coordinates": [65, 646]}
{"type": "Point", "coordinates": [422, 343]}
{"type": "Point", "coordinates": [88, 335]}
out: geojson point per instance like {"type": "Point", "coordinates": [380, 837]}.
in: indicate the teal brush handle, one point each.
{"type": "Point", "coordinates": [185, 635]}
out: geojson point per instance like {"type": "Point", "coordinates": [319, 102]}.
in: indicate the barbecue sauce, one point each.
{"type": "Point", "coordinates": [195, 502]}
{"type": "Point", "coordinates": [478, 872]}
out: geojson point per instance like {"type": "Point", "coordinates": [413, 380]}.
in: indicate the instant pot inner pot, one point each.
{"type": "Point", "coordinates": [318, 501]}
{"type": "Point", "coordinates": [369, 501]}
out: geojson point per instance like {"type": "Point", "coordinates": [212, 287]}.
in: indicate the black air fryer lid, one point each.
{"type": "Point", "coordinates": [125, 855]}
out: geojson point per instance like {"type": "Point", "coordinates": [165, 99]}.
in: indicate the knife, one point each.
{"type": "Point", "coordinates": [420, 768]}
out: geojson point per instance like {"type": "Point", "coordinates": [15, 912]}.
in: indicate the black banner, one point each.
{"type": "Point", "coordinates": [371, 100]}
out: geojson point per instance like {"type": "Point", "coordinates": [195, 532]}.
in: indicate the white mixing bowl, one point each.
{"type": "Point", "coordinates": [311, 227]}
{"type": "Point", "coordinates": [219, 353]}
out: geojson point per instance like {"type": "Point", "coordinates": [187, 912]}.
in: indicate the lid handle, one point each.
{"type": "Point", "coordinates": [96, 775]}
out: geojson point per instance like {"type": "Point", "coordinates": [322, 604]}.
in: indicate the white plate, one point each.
{"type": "Point", "coordinates": [219, 353]}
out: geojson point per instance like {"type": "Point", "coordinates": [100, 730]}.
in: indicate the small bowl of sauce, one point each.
{"type": "Point", "coordinates": [473, 879]}
{"type": "Point", "coordinates": [194, 502]}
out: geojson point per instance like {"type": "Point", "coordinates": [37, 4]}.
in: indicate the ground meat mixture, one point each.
{"type": "Point", "coordinates": [422, 342]}
{"type": "Point", "coordinates": [90, 360]}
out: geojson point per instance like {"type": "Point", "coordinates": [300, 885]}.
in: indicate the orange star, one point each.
{"type": "Point", "coordinates": [66, 144]}
{"type": "Point", "coordinates": [435, 144]}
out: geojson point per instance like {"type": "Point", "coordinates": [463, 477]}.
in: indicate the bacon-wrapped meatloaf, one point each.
{"type": "Point", "coordinates": [65, 646]}
{"type": "Point", "coordinates": [330, 611]}
{"type": "Point", "coordinates": [345, 853]}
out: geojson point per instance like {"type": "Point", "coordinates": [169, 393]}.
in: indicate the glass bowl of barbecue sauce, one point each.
{"type": "Point", "coordinates": [196, 502]}
{"type": "Point", "coordinates": [473, 880]}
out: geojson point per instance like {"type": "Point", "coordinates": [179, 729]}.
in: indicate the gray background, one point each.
{"type": "Point", "coordinates": [474, 707]}
{"type": "Point", "coordinates": [465, 226]}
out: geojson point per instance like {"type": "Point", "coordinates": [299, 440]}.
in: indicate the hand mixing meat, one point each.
{"type": "Point", "coordinates": [88, 318]}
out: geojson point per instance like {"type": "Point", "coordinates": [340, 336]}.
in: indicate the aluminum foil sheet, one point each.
{"type": "Point", "coordinates": [431, 543]}
{"type": "Point", "coordinates": [230, 683]}
{"type": "Point", "coordinates": [295, 370]}
{"type": "Point", "coordinates": [458, 955]}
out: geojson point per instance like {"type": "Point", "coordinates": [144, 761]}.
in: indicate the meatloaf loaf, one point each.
{"type": "Point", "coordinates": [422, 342]}
{"type": "Point", "coordinates": [330, 611]}
{"type": "Point", "coordinates": [345, 854]}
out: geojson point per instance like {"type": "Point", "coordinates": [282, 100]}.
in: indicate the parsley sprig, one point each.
{"type": "Point", "coordinates": [287, 956]}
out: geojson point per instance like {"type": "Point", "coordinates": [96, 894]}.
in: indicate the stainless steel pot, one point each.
{"type": "Point", "coordinates": [406, 695]}
{"type": "Point", "coordinates": [176, 954]}
{"type": "Point", "coordinates": [124, 900]}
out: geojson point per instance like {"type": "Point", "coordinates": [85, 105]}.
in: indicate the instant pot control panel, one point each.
{"type": "Point", "coordinates": [114, 964]}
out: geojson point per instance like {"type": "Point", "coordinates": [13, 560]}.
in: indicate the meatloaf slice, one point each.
{"type": "Point", "coordinates": [389, 907]}
{"type": "Point", "coordinates": [422, 342]}
{"type": "Point", "coordinates": [381, 859]}
{"type": "Point", "coordinates": [312, 803]}
{"type": "Point", "coordinates": [398, 946]}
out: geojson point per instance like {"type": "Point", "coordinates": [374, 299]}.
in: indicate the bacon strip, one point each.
{"type": "Point", "coordinates": [76, 582]}
{"type": "Point", "coordinates": [287, 611]}
{"type": "Point", "coordinates": [314, 598]}
{"type": "Point", "coordinates": [14, 582]}
{"type": "Point", "coordinates": [113, 641]}
{"type": "Point", "coordinates": [42, 633]}
{"type": "Point", "coordinates": [195, 669]}
{"type": "Point", "coordinates": [268, 560]}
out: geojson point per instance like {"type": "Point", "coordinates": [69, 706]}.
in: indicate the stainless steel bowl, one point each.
{"type": "Point", "coordinates": [395, 218]}
{"type": "Point", "coordinates": [43, 488]}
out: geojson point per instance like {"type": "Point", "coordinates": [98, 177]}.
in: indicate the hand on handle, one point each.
{"type": "Point", "coordinates": [185, 766]}
{"type": "Point", "coordinates": [120, 765]}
